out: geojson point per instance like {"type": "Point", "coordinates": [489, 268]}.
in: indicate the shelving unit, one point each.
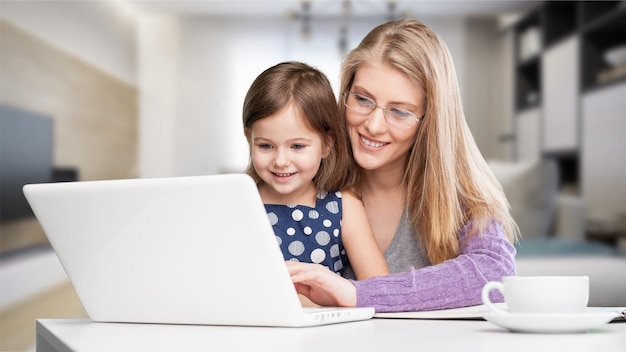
{"type": "Point", "coordinates": [603, 28]}
{"type": "Point", "coordinates": [560, 20]}
{"type": "Point", "coordinates": [571, 37]}
{"type": "Point", "coordinates": [528, 69]}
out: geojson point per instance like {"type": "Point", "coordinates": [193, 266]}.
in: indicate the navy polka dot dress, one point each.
{"type": "Point", "coordinates": [311, 235]}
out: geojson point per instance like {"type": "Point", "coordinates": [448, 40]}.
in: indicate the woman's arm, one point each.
{"type": "Point", "coordinates": [454, 283]}
{"type": "Point", "coordinates": [366, 258]}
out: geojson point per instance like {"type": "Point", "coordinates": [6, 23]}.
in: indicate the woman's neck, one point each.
{"type": "Point", "coordinates": [383, 194]}
{"type": "Point", "coordinates": [387, 181]}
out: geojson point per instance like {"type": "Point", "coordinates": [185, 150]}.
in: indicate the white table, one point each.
{"type": "Point", "coordinates": [380, 335]}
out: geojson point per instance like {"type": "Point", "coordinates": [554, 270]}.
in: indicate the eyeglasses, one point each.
{"type": "Point", "coordinates": [394, 115]}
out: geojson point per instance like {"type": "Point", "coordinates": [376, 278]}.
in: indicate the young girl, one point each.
{"type": "Point", "coordinates": [299, 159]}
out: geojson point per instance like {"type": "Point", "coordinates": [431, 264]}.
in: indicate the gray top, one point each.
{"type": "Point", "coordinates": [403, 253]}
{"type": "Point", "coordinates": [405, 250]}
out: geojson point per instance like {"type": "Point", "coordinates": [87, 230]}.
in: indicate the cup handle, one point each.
{"type": "Point", "coordinates": [492, 285]}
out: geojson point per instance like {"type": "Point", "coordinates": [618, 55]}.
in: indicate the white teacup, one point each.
{"type": "Point", "coordinates": [540, 294]}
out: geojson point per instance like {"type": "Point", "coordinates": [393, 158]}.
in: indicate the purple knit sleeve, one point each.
{"type": "Point", "coordinates": [457, 282]}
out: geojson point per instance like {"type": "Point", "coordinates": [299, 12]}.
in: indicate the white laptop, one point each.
{"type": "Point", "coordinates": [182, 250]}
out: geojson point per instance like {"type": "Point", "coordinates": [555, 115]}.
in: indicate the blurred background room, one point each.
{"type": "Point", "coordinates": [93, 90]}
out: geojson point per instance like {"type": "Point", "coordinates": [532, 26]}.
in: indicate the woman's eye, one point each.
{"type": "Point", "coordinates": [400, 114]}
{"type": "Point", "coordinates": [363, 100]}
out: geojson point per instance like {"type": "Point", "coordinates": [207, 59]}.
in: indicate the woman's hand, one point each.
{"type": "Point", "coordinates": [321, 285]}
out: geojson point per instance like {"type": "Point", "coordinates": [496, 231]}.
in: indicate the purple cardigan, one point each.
{"type": "Point", "coordinates": [457, 282]}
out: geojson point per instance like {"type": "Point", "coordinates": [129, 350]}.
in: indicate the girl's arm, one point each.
{"type": "Point", "coordinates": [454, 283]}
{"type": "Point", "coordinates": [366, 258]}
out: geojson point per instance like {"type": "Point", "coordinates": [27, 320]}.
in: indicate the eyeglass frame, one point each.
{"type": "Point", "coordinates": [385, 109]}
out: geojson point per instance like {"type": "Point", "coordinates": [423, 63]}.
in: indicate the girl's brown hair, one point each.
{"type": "Point", "coordinates": [312, 95]}
{"type": "Point", "coordinates": [449, 183]}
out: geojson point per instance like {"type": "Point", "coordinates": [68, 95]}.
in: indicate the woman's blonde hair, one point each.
{"type": "Point", "coordinates": [449, 182]}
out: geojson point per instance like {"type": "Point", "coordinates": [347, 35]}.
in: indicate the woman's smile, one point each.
{"type": "Point", "coordinates": [371, 143]}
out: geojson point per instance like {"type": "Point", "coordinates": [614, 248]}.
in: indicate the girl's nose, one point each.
{"type": "Point", "coordinates": [281, 158]}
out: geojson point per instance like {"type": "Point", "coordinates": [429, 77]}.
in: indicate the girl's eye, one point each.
{"type": "Point", "coordinates": [298, 146]}
{"type": "Point", "coordinates": [264, 146]}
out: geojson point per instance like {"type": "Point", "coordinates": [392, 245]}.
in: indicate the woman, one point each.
{"type": "Point", "coordinates": [437, 211]}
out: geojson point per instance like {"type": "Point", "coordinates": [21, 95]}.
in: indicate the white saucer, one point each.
{"type": "Point", "coordinates": [550, 323]}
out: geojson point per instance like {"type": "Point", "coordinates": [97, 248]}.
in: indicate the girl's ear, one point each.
{"type": "Point", "coordinates": [329, 142]}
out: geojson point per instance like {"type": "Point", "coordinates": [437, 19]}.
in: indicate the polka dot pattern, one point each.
{"type": "Point", "coordinates": [308, 234]}
{"type": "Point", "coordinates": [296, 248]}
